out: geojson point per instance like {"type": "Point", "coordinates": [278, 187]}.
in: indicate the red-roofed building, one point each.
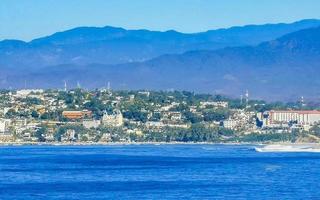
{"type": "Point", "coordinates": [76, 114]}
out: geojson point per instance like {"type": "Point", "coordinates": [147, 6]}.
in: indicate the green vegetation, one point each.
{"type": "Point", "coordinates": [269, 137]}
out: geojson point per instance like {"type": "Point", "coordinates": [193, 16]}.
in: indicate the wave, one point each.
{"type": "Point", "coordinates": [288, 148]}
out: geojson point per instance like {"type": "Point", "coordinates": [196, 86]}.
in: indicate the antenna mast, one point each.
{"type": "Point", "coordinates": [65, 86]}
{"type": "Point", "coordinates": [247, 97]}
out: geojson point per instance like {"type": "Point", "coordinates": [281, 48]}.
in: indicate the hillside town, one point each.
{"type": "Point", "coordinates": [103, 116]}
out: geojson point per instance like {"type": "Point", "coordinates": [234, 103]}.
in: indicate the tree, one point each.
{"type": "Point", "coordinates": [191, 117]}
{"type": "Point", "coordinates": [11, 113]}
{"type": "Point", "coordinates": [34, 114]}
{"type": "Point", "coordinates": [134, 112]}
{"type": "Point", "coordinates": [40, 134]}
{"type": "Point", "coordinates": [59, 133]}
{"type": "Point", "coordinates": [32, 101]}
{"type": "Point", "coordinates": [216, 115]}
{"type": "Point", "coordinates": [45, 116]}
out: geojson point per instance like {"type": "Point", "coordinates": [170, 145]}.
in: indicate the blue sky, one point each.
{"type": "Point", "coordinates": [28, 19]}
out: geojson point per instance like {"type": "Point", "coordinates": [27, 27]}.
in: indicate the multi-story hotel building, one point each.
{"type": "Point", "coordinates": [303, 117]}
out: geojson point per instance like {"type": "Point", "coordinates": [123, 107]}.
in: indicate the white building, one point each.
{"type": "Point", "coordinates": [144, 93]}
{"type": "Point", "coordinates": [25, 93]}
{"type": "Point", "coordinates": [303, 117]}
{"type": "Point", "coordinates": [230, 124]}
{"type": "Point", "coordinates": [171, 115]}
{"type": "Point", "coordinates": [114, 119]}
{"type": "Point", "coordinates": [151, 124]}
{"type": "Point", "coordinates": [69, 136]}
{"type": "Point", "coordinates": [4, 125]}
{"type": "Point", "coordinates": [222, 104]}
{"type": "Point", "coordinates": [91, 123]}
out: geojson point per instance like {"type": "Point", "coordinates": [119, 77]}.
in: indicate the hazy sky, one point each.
{"type": "Point", "coordinates": [28, 19]}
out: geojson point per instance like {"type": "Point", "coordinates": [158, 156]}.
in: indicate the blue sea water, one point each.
{"type": "Point", "coordinates": [156, 172]}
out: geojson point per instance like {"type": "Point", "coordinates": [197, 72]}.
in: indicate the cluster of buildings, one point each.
{"type": "Point", "coordinates": [241, 120]}
{"type": "Point", "coordinates": [24, 112]}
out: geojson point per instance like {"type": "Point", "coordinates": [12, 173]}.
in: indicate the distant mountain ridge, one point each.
{"type": "Point", "coordinates": [110, 45]}
{"type": "Point", "coordinates": [280, 69]}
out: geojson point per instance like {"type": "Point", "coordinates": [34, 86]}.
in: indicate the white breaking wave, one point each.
{"type": "Point", "coordinates": [288, 148]}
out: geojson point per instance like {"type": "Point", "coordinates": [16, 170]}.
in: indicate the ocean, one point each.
{"type": "Point", "coordinates": [156, 172]}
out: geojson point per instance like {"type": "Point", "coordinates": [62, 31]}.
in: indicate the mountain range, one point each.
{"type": "Point", "coordinates": [273, 61]}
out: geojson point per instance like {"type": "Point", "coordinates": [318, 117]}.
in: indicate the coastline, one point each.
{"type": "Point", "coordinates": [109, 143]}
{"type": "Point", "coordinates": [143, 143]}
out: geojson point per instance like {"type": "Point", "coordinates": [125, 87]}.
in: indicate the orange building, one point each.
{"type": "Point", "coordinates": [76, 114]}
